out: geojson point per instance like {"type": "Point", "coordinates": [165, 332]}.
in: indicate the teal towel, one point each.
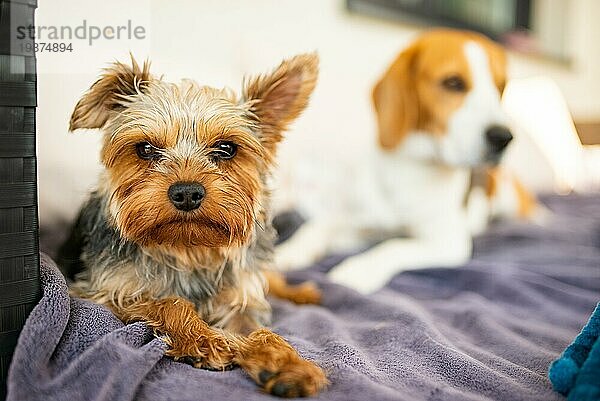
{"type": "Point", "coordinates": [576, 373]}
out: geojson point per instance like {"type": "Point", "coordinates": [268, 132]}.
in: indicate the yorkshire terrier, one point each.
{"type": "Point", "coordinates": [178, 232]}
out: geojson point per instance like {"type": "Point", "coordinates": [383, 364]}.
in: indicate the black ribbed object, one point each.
{"type": "Point", "coordinates": [19, 257]}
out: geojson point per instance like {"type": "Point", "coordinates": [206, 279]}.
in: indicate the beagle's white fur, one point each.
{"type": "Point", "coordinates": [439, 116]}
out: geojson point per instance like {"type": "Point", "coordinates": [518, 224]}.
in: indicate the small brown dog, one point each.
{"type": "Point", "coordinates": [178, 233]}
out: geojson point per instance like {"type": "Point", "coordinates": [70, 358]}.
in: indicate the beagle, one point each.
{"type": "Point", "coordinates": [439, 117]}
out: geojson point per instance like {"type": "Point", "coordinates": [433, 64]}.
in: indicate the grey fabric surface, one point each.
{"type": "Point", "coordinates": [486, 331]}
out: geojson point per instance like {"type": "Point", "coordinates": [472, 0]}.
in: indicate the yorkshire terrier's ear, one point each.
{"type": "Point", "coordinates": [395, 100]}
{"type": "Point", "coordinates": [276, 99]}
{"type": "Point", "coordinates": [108, 93]}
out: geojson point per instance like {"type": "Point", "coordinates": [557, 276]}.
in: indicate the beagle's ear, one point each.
{"type": "Point", "coordinates": [278, 98]}
{"type": "Point", "coordinates": [395, 100]}
{"type": "Point", "coordinates": [108, 93]}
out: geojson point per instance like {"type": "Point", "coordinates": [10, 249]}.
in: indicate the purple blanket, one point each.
{"type": "Point", "coordinates": [486, 331]}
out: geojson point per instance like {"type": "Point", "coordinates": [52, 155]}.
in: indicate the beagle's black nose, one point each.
{"type": "Point", "coordinates": [186, 196]}
{"type": "Point", "coordinates": [498, 137]}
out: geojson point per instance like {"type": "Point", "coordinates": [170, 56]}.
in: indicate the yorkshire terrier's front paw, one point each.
{"type": "Point", "coordinates": [211, 352]}
{"type": "Point", "coordinates": [296, 378]}
{"type": "Point", "coordinates": [278, 368]}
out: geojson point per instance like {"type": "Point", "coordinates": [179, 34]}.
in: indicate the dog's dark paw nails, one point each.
{"type": "Point", "coordinates": [264, 376]}
{"type": "Point", "coordinates": [302, 379]}
{"type": "Point", "coordinates": [222, 369]}
{"type": "Point", "coordinates": [280, 389]}
{"type": "Point", "coordinates": [199, 363]}
{"type": "Point", "coordinates": [188, 360]}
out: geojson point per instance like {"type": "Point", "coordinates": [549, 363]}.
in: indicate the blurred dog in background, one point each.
{"type": "Point", "coordinates": [440, 119]}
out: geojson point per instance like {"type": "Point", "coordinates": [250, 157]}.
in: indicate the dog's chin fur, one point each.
{"type": "Point", "coordinates": [189, 233]}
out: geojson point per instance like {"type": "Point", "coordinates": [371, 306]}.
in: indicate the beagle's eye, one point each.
{"type": "Point", "coordinates": [454, 83]}
{"type": "Point", "coordinates": [146, 151]}
{"type": "Point", "coordinates": [223, 150]}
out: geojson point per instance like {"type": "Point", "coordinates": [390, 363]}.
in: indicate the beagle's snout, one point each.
{"type": "Point", "coordinates": [498, 137]}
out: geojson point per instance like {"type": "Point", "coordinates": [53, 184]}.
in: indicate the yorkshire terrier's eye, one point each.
{"type": "Point", "coordinates": [454, 83]}
{"type": "Point", "coordinates": [146, 151]}
{"type": "Point", "coordinates": [224, 150]}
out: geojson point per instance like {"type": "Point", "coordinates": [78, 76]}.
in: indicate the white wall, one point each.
{"type": "Point", "coordinates": [581, 79]}
{"type": "Point", "coordinates": [217, 42]}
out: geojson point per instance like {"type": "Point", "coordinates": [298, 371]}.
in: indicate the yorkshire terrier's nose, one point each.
{"type": "Point", "coordinates": [498, 137]}
{"type": "Point", "coordinates": [186, 196]}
